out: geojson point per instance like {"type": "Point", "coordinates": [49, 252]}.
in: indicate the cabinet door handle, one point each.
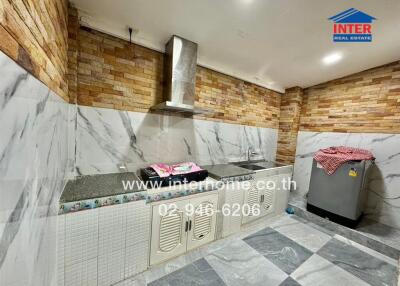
{"type": "Point", "coordinates": [262, 199]}
{"type": "Point", "coordinates": [190, 225]}
{"type": "Point", "coordinates": [186, 226]}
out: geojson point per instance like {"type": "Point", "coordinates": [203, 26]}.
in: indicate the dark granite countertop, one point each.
{"type": "Point", "coordinates": [97, 186]}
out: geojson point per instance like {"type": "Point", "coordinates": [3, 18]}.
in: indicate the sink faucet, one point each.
{"type": "Point", "coordinates": [250, 153]}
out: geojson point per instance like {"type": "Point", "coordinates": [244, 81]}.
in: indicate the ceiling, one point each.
{"type": "Point", "coordinates": [276, 44]}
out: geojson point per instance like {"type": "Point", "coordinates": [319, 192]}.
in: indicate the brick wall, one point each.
{"type": "Point", "coordinates": [289, 124]}
{"type": "Point", "coordinates": [364, 102]}
{"type": "Point", "coordinates": [72, 68]}
{"type": "Point", "coordinates": [236, 101]}
{"type": "Point", "coordinates": [34, 34]}
{"type": "Point", "coordinates": [113, 73]}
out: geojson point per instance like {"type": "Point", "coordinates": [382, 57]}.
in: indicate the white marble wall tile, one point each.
{"type": "Point", "coordinates": [109, 138]}
{"type": "Point", "coordinates": [384, 192]}
{"type": "Point", "coordinates": [33, 166]}
{"type": "Point", "coordinates": [72, 116]}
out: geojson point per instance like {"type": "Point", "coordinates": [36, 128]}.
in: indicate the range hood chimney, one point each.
{"type": "Point", "coordinates": [180, 77]}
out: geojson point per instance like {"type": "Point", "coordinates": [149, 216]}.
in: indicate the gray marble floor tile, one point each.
{"type": "Point", "coordinates": [280, 250]}
{"type": "Point", "coordinates": [367, 250]}
{"type": "Point", "coordinates": [289, 282]}
{"type": "Point", "coordinates": [313, 225]}
{"type": "Point", "coordinates": [239, 264]}
{"type": "Point", "coordinates": [301, 233]}
{"type": "Point", "coordinates": [381, 232]}
{"type": "Point", "coordinates": [317, 271]}
{"type": "Point", "coordinates": [197, 273]}
{"type": "Point", "coordinates": [363, 265]}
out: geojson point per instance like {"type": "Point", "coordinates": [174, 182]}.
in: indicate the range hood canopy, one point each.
{"type": "Point", "coordinates": [180, 77]}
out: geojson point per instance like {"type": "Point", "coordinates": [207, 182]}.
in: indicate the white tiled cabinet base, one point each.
{"type": "Point", "coordinates": [103, 246]}
{"type": "Point", "coordinates": [111, 267]}
{"type": "Point", "coordinates": [136, 258]}
{"type": "Point", "coordinates": [77, 249]}
{"type": "Point", "coordinates": [137, 238]}
{"type": "Point", "coordinates": [81, 236]}
{"type": "Point", "coordinates": [83, 273]}
{"type": "Point", "coordinates": [60, 250]}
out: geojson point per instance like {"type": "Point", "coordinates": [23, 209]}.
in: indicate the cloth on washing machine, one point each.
{"type": "Point", "coordinates": [332, 158]}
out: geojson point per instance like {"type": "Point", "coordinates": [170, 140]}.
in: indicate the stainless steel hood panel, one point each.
{"type": "Point", "coordinates": [179, 108]}
{"type": "Point", "coordinates": [180, 77]}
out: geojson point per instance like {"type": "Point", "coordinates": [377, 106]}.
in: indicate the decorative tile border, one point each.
{"type": "Point", "coordinates": [176, 194]}
{"type": "Point", "coordinates": [94, 203]}
{"type": "Point", "coordinates": [100, 202]}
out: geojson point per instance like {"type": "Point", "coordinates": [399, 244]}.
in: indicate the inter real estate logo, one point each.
{"type": "Point", "coordinates": [352, 25]}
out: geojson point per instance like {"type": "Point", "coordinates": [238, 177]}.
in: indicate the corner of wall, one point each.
{"type": "Point", "coordinates": [289, 122]}
{"type": "Point", "coordinates": [41, 47]}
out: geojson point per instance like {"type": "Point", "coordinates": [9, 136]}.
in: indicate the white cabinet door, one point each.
{"type": "Point", "coordinates": [202, 222]}
{"type": "Point", "coordinates": [233, 201]}
{"type": "Point", "coordinates": [252, 199]}
{"type": "Point", "coordinates": [267, 201]}
{"type": "Point", "coordinates": [169, 235]}
{"type": "Point", "coordinates": [268, 189]}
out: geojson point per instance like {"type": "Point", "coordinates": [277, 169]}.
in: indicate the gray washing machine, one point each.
{"type": "Point", "coordinates": [341, 196]}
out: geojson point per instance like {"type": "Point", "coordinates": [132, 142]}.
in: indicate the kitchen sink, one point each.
{"type": "Point", "coordinates": [251, 167]}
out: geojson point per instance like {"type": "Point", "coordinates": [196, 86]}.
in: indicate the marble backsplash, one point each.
{"type": "Point", "coordinates": [384, 183]}
{"type": "Point", "coordinates": [34, 163]}
{"type": "Point", "coordinates": [107, 139]}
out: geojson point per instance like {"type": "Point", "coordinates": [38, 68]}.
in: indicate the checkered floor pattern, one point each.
{"type": "Point", "coordinates": [287, 252]}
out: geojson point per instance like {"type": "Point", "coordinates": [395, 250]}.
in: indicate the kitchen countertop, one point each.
{"type": "Point", "coordinates": [97, 186]}
{"type": "Point", "coordinates": [89, 192]}
{"type": "Point", "coordinates": [104, 185]}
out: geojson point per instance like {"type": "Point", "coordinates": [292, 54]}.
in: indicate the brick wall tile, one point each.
{"type": "Point", "coordinates": [113, 73]}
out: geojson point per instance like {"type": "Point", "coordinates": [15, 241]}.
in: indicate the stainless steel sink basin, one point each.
{"type": "Point", "coordinates": [270, 164]}
{"type": "Point", "coordinates": [251, 167]}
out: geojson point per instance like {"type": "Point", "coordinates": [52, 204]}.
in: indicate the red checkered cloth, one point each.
{"type": "Point", "coordinates": [334, 157]}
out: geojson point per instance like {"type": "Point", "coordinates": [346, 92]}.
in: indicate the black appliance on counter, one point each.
{"type": "Point", "coordinates": [150, 175]}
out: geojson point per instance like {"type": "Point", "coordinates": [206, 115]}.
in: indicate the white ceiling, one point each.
{"type": "Point", "coordinates": [274, 43]}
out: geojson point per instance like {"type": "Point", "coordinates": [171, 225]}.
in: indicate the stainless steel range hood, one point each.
{"type": "Point", "coordinates": [180, 77]}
